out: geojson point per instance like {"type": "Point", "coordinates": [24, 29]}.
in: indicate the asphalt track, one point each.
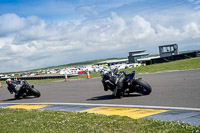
{"type": "Point", "coordinates": [175, 96]}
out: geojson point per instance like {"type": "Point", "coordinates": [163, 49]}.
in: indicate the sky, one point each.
{"type": "Point", "coordinates": [42, 33]}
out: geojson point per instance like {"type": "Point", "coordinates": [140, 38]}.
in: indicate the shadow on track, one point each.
{"type": "Point", "coordinates": [110, 97]}
{"type": "Point", "coordinates": [105, 97]}
{"type": "Point", "coordinates": [13, 99]}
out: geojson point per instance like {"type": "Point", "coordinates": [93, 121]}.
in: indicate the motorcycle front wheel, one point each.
{"type": "Point", "coordinates": [142, 86]}
{"type": "Point", "coordinates": [18, 94]}
{"type": "Point", "coordinates": [117, 93]}
{"type": "Point", "coordinates": [35, 92]}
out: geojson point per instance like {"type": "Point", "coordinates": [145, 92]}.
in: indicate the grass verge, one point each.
{"type": "Point", "coordinates": [186, 64]}
{"type": "Point", "coordinates": [18, 121]}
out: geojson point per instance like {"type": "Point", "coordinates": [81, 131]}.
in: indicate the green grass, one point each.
{"type": "Point", "coordinates": [186, 64]}
{"type": "Point", "coordinates": [37, 121]}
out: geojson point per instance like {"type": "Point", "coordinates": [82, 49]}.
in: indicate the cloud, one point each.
{"type": "Point", "coordinates": [10, 23]}
{"type": "Point", "coordinates": [196, 3]}
{"type": "Point", "coordinates": [142, 28]}
{"type": "Point", "coordinates": [87, 10]}
{"type": "Point", "coordinates": [30, 42]}
{"type": "Point", "coordinates": [192, 30]}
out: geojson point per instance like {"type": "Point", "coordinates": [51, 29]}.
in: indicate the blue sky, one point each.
{"type": "Point", "coordinates": [41, 33]}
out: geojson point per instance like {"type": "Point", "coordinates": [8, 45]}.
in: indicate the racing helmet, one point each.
{"type": "Point", "coordinates": [8, 81]}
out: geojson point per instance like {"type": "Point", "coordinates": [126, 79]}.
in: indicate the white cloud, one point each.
{"type": "Point", "coordinates": [87, 10]}
{"type": "Point", "coordinates": [10, 23]}
{"type": "Point", "coordinates": [142, 28]}
{"type": "Point", "coordinates": [30, 42]}
{"type": "Point", "coordinates": [192, 30]}
{"type": "Point", "coordinates": [5, 41]}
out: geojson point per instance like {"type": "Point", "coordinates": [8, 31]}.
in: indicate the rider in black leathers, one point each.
{"type": "Point", "coordinates": [13, 86]}
{"type": "Point", "coordinates": [117, 82]}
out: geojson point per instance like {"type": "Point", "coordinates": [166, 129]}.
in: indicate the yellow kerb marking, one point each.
{"type": "Point", "coordinates": [27, 106]}
{"type": "Point", "coordinates": [134, 113]}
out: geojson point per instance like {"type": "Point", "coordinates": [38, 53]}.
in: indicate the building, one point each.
{"type": "Point", "coordinates": [113, 62]}
{"type": "Point", "coordinates": [168, 50]}
{"type": "Point", "coordinates": [170, 53]}
{"type": "Point", "coordinates": [134, 56]}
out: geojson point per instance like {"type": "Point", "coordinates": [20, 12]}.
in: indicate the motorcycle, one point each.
{"type": "Point", "coordinates": [121, 83]}
{"type": "Point", "coordinates": [21, 89]}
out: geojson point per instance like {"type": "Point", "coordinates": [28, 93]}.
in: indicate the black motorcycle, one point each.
{"type": "Point", "coordinates": [123, 83]}
{"type": "Point", "coordinates": [21, 89]}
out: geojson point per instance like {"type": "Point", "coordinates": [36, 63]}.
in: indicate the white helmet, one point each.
{"type": "Point", "coordinates": [8, 80]}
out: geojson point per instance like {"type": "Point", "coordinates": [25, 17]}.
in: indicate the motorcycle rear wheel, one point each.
{"type": "Point", "coordinates": [142, 86]}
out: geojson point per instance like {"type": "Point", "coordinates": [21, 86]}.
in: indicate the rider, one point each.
{"type": "Point", "coordinates": [120, 83]}
{"type": "Point", "coordinates": [13, 86]}
{"type": "Point", "coordinates": [10, 85]}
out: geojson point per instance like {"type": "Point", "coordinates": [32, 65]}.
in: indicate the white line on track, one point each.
{"type": "Point", "coordinates": [114, 105]}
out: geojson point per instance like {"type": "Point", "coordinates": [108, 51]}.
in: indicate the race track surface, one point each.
{"type": "Point", "coordinates": [171, 89]}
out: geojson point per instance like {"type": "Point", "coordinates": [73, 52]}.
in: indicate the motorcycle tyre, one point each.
{"type": "Point", "coordinates": [18, 94]}
{"type": "Point", "coordinates": [105, 87]}
{"type": "Point", "coordinates": [117, 93]}
{"type": "Point", "coordinates": [35, 92]}
{"type": "Point", "coordinates": [145, 85]}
